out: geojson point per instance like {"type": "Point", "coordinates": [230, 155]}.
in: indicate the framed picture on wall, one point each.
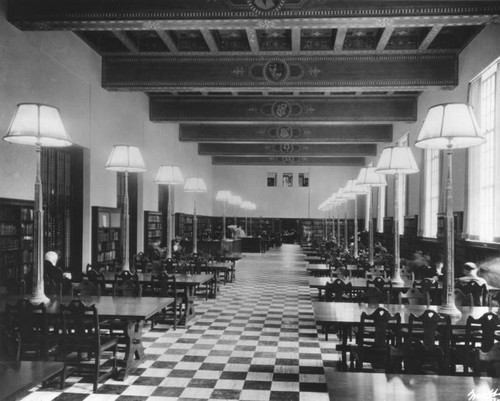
{"type": "Point", "coordinates": [288, 179]}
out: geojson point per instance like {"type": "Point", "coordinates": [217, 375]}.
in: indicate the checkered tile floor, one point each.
{"type": "Point", "coordinates": [256, 341]}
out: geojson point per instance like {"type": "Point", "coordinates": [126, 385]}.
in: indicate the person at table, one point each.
{"type": "Point", "coordinates": [50, 268]}
{"type": "Point", "coordinates": [470, 271]}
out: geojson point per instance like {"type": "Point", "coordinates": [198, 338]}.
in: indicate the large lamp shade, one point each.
{"type": "Point", "coordinates": [223, 196]}
{"type": "Point", "coordinates": [169, 175]}
{"type": "Point", "coordinates": [235, 200]}
{"type": "Point", "coordinates": [126, 158]}
{"type": "Point", "coordinates": [195, 185]}
{"type": "Point", "coordinates": [397, 160]}
{"type": "Point", "coordinates": [369, 177]}
{"type": "Point", "coordinates": [450, 125]}
{"type": "Point", "coordinates": [37, 124]}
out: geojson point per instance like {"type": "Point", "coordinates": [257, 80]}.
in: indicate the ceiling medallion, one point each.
{"type": "Point", "coordinates": [284, 132]}
{"type": "Point", "coordinates": [276, 70]}
{"type": "Point", "coordinates": [289, 159]}
{"type": "Point", "coordinates": [265, 6]}
{"type": "Point", "coordinates": [281, 109]}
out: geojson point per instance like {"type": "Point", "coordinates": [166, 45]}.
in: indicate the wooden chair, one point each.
{"type": "Point", "coordinates": [428, 286]}
{"type": "Point", "coordinates": [488, 361]}
{"type": "Point", "coordinates": [81, 335]}
{"type": "Point", "coordinates": [338, 291]}
{"type": "Point", "coordinates": [376, 332]}
{"type": "Point", "coordinates": [431, 327]}
{"type": "Point", "coordinates": [379, 283]}
{"type": "Point", "coordinates": [413, 357]}
{"type": "Point", "coordinates": [38, 341]}
{"type": "Point", "coordinates": [372, 295]}
{"type": "Point", "coordinates": [169, 265]}
{"type": "Point", "coordinates": [87, 289]}
{"type": "Point", "coordinates": [97, 278]}
{"type": "Point", "coordinates": [478, 292]}
{"type": "Point", "coordinates": [10, 344]}
{"type": "Point", "coordinates": [128, 288]}
{"type": "Point", "coordinates": [165, 286]}
{"type": "Point", "coordinates": [462, 299]}
{"type": "Point", "coordinates": [413, 297]}
{"type": "Point", "coordinates": [480, 334]}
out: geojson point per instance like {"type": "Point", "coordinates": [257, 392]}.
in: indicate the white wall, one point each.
{"type": "Point", "coordinates": [59, 69]}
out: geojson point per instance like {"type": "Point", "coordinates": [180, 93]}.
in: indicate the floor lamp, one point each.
{"type": "Point", "coordinates": [126, 159]}
{"type": "Point", "coordinates": [169, 175]}
{"type": "Point", "coordinates": [252, 207]}
{"type": "Point", "coordinates": [246, 205]}
{"type": "Point", "coordinates": [344, 198]}
{"type": "Point", "coordinates": [449, 126]}
{"type": "Point", "coordinates": [368, 177]}
{"type": "Point", "coordinates": [223, 196]}
{"type": "Point", "coordinates": [397, 161]}
{"type": "Point", "coordinates": [324, 207]}
{"type": "Point", "coordinates": [353, 188]}
{"type": "Point", "coordinates": [195, 186]}
{"type": "Point", "coordinates": [235, 201]}
{"type": "Point", "coordinates": [38, 125]}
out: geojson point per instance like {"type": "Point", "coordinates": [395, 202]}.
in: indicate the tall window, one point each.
{"type": "Point", "coordinates": [483, 218]}
{"type": "Point", "coordinates": [432, 158]}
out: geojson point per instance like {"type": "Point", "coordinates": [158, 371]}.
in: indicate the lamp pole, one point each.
{"type": "Point", "coordinates": [195, 226]}
{"type": "Point", "coordinates": [125, 225]}
{"type": "Point", "coordinates": [396, 278]}
{"type": "Point", "coordinates": [448, 305]}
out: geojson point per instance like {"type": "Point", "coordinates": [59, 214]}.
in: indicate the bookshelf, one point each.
{"type": "Point", "coordinates": [153, 224]}
{"type": "Point", "coordinates": [106, 236]}
{"type": "Point", "coordinates": [16, 238]}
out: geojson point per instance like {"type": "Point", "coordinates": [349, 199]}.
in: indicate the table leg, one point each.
{"type": "Point", "coordinates": [344, 333]}
{"type": "Point", "coordinates": [134, 349]}
{"type": "Point", "coordinates": [188, 303]}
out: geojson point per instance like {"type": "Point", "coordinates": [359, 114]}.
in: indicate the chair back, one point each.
{"type": "Point", "coordinates": [373, 295]}
{"type": "Point", "coordinates": [413, 297]}
{"type": "Point", "coordinates": [80, 326]}
{"type": "Point", "coordinates": [169, 265]}
{"type": "Point", "coordinates": [10, 344]}
{"type": "Point", "coordinates": [127, 288]}
{"type": "Point", "coordinates": [487, 361]}
{"type": "Point", "coordinates": [31, 323]}
{"type": "Point", "coordinates": [87, 288]}
{"type": "Point", "coordinates": [379, 283]}
{"type": "Point", "coordinates": [376, 331]}
{"type": "Point", "coordinates": [478, 292]}
{"type": "Point", "coordinates": [166, 284]}
{"type": "Point", "coordinates": [98, 279]}
{"type": "Point", "coordinates": [462, 299]}
{"type": "Point", "coordinates": [430, 327]}
{"type": "Point", "coordinates": [337, 291]}
{"type": "Point", "coordinates": [481, 333]}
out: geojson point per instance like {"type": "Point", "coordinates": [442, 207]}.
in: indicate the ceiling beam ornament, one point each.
{"type": "Point", "coordinates": [154, 14]}
{"type": "Point", "coordinates": [287, 149]}
{"type": "Point", "coordinates": [253, 110]}
{"type": "Point", "coordinates": [288, 161]}
{"type": "Point", "coordinates": [256, 73]}
{"type": "Point", "coordinates": [337, 133]}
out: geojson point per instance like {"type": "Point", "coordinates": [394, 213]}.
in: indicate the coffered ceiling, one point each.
{"type": "Point", "coordinates": [270, 82]}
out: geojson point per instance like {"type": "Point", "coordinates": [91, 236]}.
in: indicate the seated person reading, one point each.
{"type": "Point", "coordinates": [470, 271]}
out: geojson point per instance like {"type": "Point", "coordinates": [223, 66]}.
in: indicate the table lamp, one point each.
{"type": "Point", "coordinates": [397, 161]}
{"type": "Point", "coordinates": [169, 175]}
{"type": "Point", "coordinates": [38, 125]}
{"type": "Point", "coordinates": [195, 186]}
{"type": "Point", "coordinates": [449, 126]}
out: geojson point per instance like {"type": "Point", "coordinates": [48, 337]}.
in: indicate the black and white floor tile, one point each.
{"type": "Point", "coordinates": [256, 341]}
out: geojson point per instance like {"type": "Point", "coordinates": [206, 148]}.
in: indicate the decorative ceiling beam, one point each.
{"type": "Point", "coordinates": [319, 72]}
{"type": "Point", "coordinates": [209, 39]}
{"type": "Point", "coordinates": [431, 35]}
{"type": "Point", "coordinates": [235, 14]}
{"type": "Point", "coordinates": [122, 37]}
{"type": "Point", "coordinates": [252, 110]}
{"type": "Point", "coordinates": [167, 39]}
{"type": "Point", "coordinates": [288, 161]}
{"type": "Point", "coordinates": [295, 39]}
{"type": "Point", "coordinates": [287, 149]}
{"type": "Point", "coordinates": [333, 133]}
{"type": "Point", "coordinates": [384, 39]}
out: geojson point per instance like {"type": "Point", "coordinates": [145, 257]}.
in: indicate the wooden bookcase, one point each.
{"type": "Point", "coordinates": [106, 236]}
{"type": "Point", "coordinates": [16, 238]}
{"type": "Point", "coordinates": [153, 224]}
